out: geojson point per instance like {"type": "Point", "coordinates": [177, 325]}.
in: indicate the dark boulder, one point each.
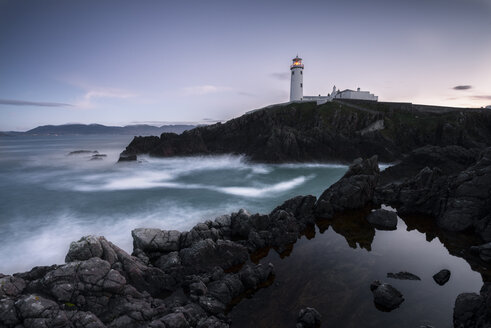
{"type": "Point", "coordinates": [206, 254]}
{"type": "Point", "coordinates": [354, 190]}
{"type": "Point", "coordinates": [442, 277]}
{"type": "Point", "coordinates": [473, 310]}
{"type": "Point", "coordinates": [156, 240]}
{"type": "Point", "coordinates": [484, 251]}
{"type": "Point", "coordinates": [308, 318]}
{"type": "Point", "coordinates": [385, 297]}
{"type": "Point", "coordinates": [383, 219]}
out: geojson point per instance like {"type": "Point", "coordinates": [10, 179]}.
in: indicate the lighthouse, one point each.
{"type": "Point", "coordinates": [296, 86]}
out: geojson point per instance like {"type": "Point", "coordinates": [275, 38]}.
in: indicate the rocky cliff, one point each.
{"type": "Point", "coordinates": [336, 131]}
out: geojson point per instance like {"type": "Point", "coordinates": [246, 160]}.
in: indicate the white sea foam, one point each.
{"type": "Point", "coordinates": [49, 243]}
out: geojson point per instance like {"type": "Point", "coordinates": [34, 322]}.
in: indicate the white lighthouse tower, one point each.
{"type": "Point", "coordinates": [296, 86]}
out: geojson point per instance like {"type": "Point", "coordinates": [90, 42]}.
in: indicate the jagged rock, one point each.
{"type": "Point", "coordinates": [139, 275]}
{"type": "Point", "coordinates": [354, 190]}
{"type": "Point", "coordinates": [301, 207]}
{"type": "Point", "coordinates": [37, 311]}
{"type": "Point", "coordinates": [457, 199]}
{"type": "Point", "coordinates": [212, 322]}
{"type": "Point", "coordinates": [127, 158]}
{"type": "Point", "coordinates": [211, 305]}
{"type": "Point", "coordinates": [156, 240]}
{"type": "Point", "coordinates": [308, 318]}
{"type": "Point", "coordinates": [473, 310]}
{"type": "Point", "coordinates": [403, 276]}
{"type": "Point", "coordinates": [11, 286]}
{"type": "Point", "coordinates": [468, 202]}
{"type": "Point", "coordinates": [484, 251]}
{"type": "Point", "coordinates": [385, 297]}
{"type": "Point", "coordinates": [206, 254]}
{"type": "Point", "coordinates": [383, 219]}
{"type": "Point", "coordinates": [302, 132]}
{"type": "Point", "coordinates": [175, 320]}
{"type": "Point", "coordinates": [441, 277]}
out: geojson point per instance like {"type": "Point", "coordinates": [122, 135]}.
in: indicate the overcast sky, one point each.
{"type": "Point", "coordinates": [128, 62]}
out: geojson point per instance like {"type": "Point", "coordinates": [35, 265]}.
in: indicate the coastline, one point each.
{"type": "Point", "coordinates": [176, 279]}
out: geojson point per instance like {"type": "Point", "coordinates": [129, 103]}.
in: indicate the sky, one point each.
{"type": "Point", "coordinates": [166, 62]}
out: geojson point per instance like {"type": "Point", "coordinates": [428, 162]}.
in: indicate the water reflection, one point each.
{"type": "Point", "coordinates": [333, 270]}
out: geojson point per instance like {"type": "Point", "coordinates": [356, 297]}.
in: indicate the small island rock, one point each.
{"type": "Point", "coordinates": [386, 297]}
{"type": "Point", "coordinates": [403, 276]}
{"type": "Point", "coordinates": [442, 277]}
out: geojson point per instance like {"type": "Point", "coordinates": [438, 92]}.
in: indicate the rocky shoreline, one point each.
{"type": "Point", "coordinates": [192, 279]}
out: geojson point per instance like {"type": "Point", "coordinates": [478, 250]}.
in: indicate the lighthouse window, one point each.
{"type": "Point", "coordinates": [301, 73]}
{"type": "Point", "coordinates": [301, 85]}
{"type": "Point", "coordinates": [293, 72]}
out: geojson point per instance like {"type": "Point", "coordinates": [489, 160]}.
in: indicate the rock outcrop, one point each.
{"type": "Point", "coordinates": [473, 310]}
{"type": "Point", "coordinates": [459, 200]}
{"type": "Point", "coordinates": [354, 190]}
{"type": "Point", "coordinates": [173, 279]}
{"type": "Point", "coordinates": [335, 131]}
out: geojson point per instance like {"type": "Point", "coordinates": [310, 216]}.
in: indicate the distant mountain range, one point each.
{"type": "Point", "coordinates": [84, 129]}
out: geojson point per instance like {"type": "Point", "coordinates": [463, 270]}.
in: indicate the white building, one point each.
{"type": "Point", "coordinates": [296, 88]}
{"type": "Point", "coordinates": [296, 84]}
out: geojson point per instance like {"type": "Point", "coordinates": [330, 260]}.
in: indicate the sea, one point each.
{"type": "Point", "coordinates": [49, 198]}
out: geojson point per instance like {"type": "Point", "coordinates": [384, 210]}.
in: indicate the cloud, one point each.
{"type": "Point", "coordinates": [281, 76]}
{"type": "Point", "coordinates": [32, 103]}
{"type": "Point", "coordinates": [87, 100]}
{"type": "Point", "coordinates": [462, 87]}
{"type": "Point", "coordinates": [481, 97]}
{"type": "Point", "coordinates": [206, 89]}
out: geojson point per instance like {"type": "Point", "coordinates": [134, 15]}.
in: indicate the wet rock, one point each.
{"type": "Point", "coordinates": [456, 196]}
{"type": "Point", "coordinates": [127, 158]}
{"type": "Point", "coordinates": [97, 157]}
{"type": "Point", "coordinates": [300, 207]}
{"type": "Point", "coordinates": [354, 190]}
{"type": "Point", "coordinates": [82, 152]}
{"type": "Point", "coordinates": [473, 310]}
{"type": "Point", "coordinates": [386, 297]}
{"type": "Point", "coordinates": [383, 219]}
{"type": "Point", "coordinates": [308, 318]}
{"type": "Point", "coordinates": [442, 277]}
{"type": "Point", "coordinates": [403, 276]}
{"type": "Point", "coordinates": [484, 251]}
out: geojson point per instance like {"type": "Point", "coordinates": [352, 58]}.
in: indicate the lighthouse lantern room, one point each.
{"type": "Point", "coordinates": [296, 86]}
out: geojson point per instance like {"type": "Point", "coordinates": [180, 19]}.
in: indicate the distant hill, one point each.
{"type": "Point", "coordinates": [84, 129]}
